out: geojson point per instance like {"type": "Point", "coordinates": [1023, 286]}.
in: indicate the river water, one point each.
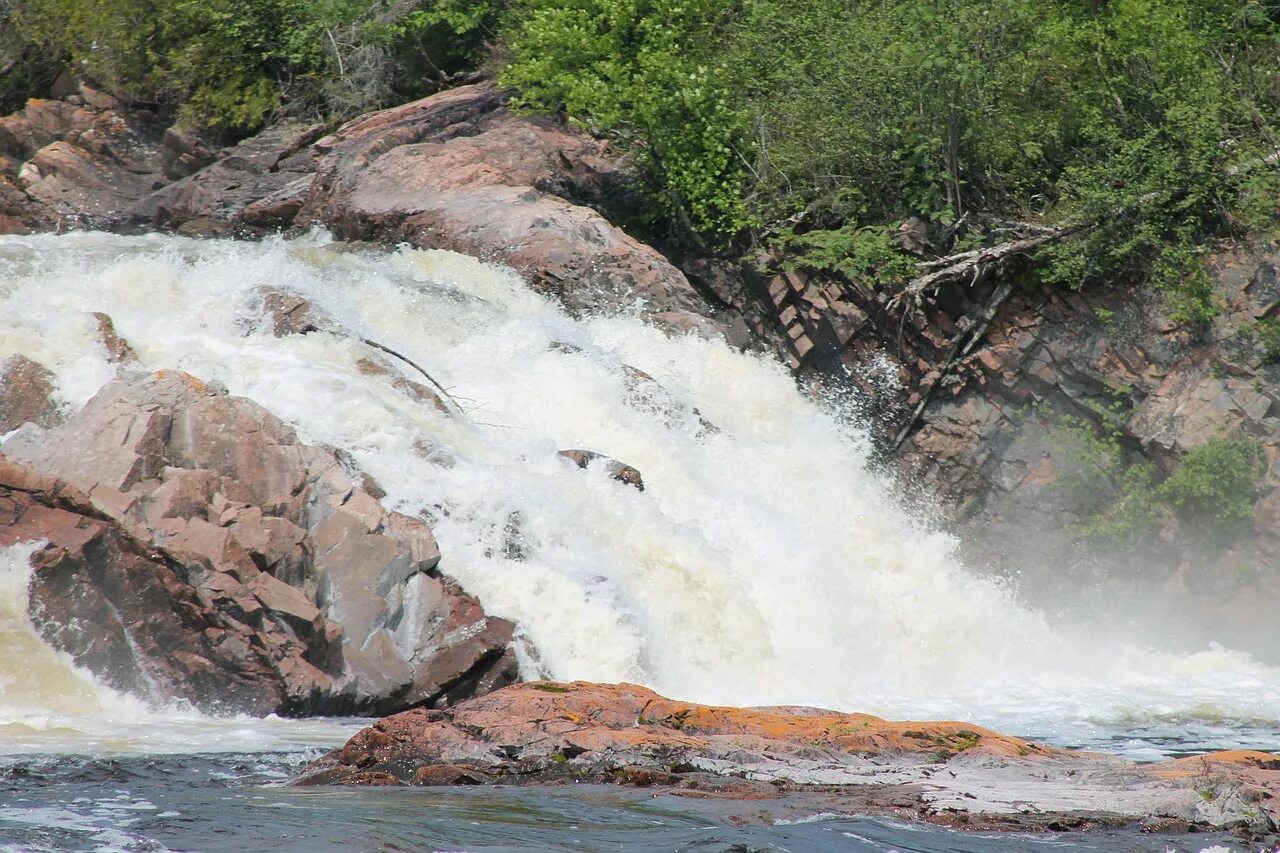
{"type": "Point", "coordinates": [766, 562]}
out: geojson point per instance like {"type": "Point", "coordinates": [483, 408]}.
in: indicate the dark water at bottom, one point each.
{"type": "Point", "coordinates": [239, 803]}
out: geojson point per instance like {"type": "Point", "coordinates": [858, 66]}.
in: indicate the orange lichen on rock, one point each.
{"type": "Point", "coordinates": [544, 732]}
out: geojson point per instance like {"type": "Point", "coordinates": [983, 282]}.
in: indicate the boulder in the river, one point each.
{"type": "Point", "coordinates": [459, 171]}
{"type": "Point", "coordinates": [290, 314]}
{"type": "Point", "coordinates": [947, 772]}
{"type": "Point", "coordinates": [26, 394]}
{"type": "Point", "coordinates": [118, 349]}
{"type": "Point", "coordinates": [620, 471]}
{"type": "Point", "coordinates": [197, 549]}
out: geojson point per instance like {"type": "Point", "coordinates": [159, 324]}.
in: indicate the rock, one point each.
{"type": "Point", "coordinates": [619, 471]}
{"type": "Point", "coordinates": [251, 183]}
{"type": "Point", "coordinates": [416, 391]}
{"type": "Point", "coordinates": [197, 549]}
{"type": "Point", "coordinates": [291, 314]}
{"type": "Point", "coordinates": [81, 160]}
{"type": "Point", "coordinates": [26, 395]}
{"type": "Point", "coordinates": [118, 349]}
{"type": "Point", "coordinates": [646, 393]}
{"type": "Point", "coordinates": [545, 732]}
{"type": "Point", "coordinates": [458, 171]}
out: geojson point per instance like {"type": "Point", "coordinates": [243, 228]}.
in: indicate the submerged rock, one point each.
{"type": "Point", "coordinates": [947, 772]}
{"type": "Point", "coordinates": [197, 549]}
{"type": "Point", "coordinates": [620, 471]}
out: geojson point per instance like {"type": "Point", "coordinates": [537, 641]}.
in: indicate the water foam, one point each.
{"type": "Point", "coordinates": [766, 562]}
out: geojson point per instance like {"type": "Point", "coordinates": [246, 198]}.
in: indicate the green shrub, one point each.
{"type": "Point", "coordinates": [649, 68]}
{"type": "Point", "coordinates": [1215, 484]}
{"type": "Point", "coordinates": [234, 64]}
{"type": "Point", "coordinates": [1146, 118]}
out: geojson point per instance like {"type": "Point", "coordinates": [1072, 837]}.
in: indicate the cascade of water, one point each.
{"type": "Point", "coordinates": [766, 561]}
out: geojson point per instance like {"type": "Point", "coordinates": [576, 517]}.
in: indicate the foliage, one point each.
{"type": "Point", "coordinates": [867, 254]}
{"type": "Point", "coordinates": [644, 67]}
{"type": "Point", "coordinates": [1211, 489]}
{"type": "Point", "coordinates": [1146, 117]}
{"type": "Point", "coordinates": [1215, 483]}
{"type": "Point", "coordinates": [232, 65]}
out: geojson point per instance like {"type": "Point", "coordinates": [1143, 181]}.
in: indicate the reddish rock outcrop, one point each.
{"type": "Point", "coordinates": [82, 160]}
{"type": "Point", "coordinates": [988, 435]}
{"type": "Point", "coordinates": [197, 549]}
{"type": "Point", "coordinates": [459, 171]}
{"type": "Point", "coordinates": [26, 394]}
{"type": "Point", "coordinates": [949, 772]}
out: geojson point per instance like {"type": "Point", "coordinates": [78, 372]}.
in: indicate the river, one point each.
{"type": "Point", "coordinates": [767, 561]}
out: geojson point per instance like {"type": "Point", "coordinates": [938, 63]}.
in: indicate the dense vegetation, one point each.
{"type": "Point", "coordinates": [1143, 126]}
{"type": "Point", "coordinates": [234, 65]}
{"type": "Point", "coordinates": [824, 123]}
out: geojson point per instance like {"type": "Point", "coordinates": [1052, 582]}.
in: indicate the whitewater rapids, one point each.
{"type": "Point", "coordinates": [765, 563]}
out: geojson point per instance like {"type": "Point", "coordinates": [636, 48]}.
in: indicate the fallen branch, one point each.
{"type": "Point", "coordinates": [973, 264]}
{"type": "Point", "coordinates": [389, 351]}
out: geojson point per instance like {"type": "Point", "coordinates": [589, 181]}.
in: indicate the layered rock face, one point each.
{"type": "Point", "coordinates": [197, 549]}
{"type": "Point", "coordinates": [946, 772]}
{"type": "Point", "coordinates": [988, 428]}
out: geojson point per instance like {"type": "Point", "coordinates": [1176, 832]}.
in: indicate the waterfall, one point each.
{"type": "Point", "coordinates": [766, 562]}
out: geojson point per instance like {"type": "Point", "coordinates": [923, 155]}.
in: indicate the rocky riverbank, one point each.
{"type": "Point", "coordinates": [197, 549]}
{"type": "Point", "coordinates": [950, 773]}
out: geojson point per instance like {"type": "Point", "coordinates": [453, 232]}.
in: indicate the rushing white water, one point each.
{"type": "Point", "coordinates": [764, 563]}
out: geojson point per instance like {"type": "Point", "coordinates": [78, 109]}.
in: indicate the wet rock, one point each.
{"type": "Point", "coordinates": [416, 391]}
{"type": "Point", "coordinates": [458, 171]}
{"type": "Point", "coordinates": [645, 392]}
{"type": "Point", "coordinates": [291, 314]}
{"type": "Point", "coordinates": [546, 732]}
{"type": "Point", "coordinates": [118, 349]}
{"type": "Point", "coordinates": [26, 395]}
{"type": "Point", "coordinates": [198, 549]}
{"type": "Point", "coordinates": [619, 471]}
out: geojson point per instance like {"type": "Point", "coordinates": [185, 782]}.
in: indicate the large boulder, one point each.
{"type": "Point", "coordinates": [197, 549]}
{"type": "Point", "coordinates": [459, 171]}
{"type": "Point", "coordinates": [948, 772]}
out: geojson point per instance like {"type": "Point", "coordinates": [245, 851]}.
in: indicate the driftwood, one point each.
{"type": "Point", "coordinates": [973, 264]}
{"type": "Point", "coordinates": [389, 351]}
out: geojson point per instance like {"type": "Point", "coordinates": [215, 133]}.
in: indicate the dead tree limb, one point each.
{"type": "Point", "coordinates": [389, 351]}
{"type": "Point", "coordinates": [973, 264]}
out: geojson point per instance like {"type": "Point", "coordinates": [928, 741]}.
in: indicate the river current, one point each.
{"type": "Point", "coordinates": [767, 562]}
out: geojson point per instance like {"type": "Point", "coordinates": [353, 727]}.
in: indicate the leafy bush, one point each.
{"type": "Point", "coordinates": [1215, 484]}
{"type": "Point", "coordinates": [1211, 489]}
{"type": "Point", "coordinates": [1146, 119]}
{"type": "Point", "coordinates": [648, 68]}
